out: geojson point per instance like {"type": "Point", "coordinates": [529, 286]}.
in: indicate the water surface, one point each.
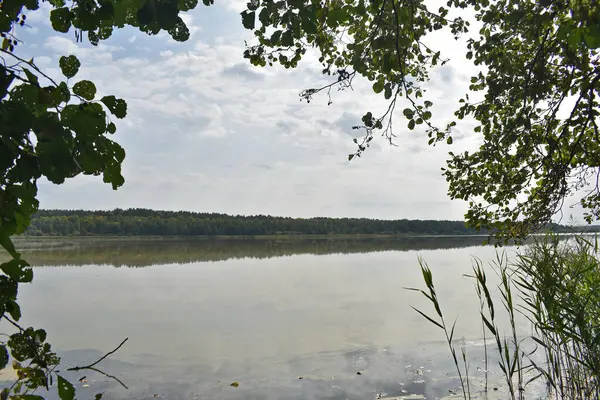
{"type": "Point", "coordinates": [286, 319]}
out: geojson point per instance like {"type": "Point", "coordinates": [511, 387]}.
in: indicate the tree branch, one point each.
{"type": "Point", "coordinates": [90, 366]}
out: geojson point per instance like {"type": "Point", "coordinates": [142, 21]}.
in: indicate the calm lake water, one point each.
{"type": "Point", "coordinates": [285, 319]}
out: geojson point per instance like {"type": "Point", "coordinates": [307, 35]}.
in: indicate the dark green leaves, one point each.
{"type": "Point", "coordinates": [287, 39]}
{"type": "Point", "coordinates": [66, 391]}
{"type": "Point", "coordinates": [337, 16]}
{"type": "Point", "coordinates": [88, 119]}
{"type": "Point", "coordinates": [61, 19]}
{"type": "Point", "coordinates": [85, 89]}
{"type": "Point", "coordinates": [378, 87]}
{"type": "Point", "coordinates": [117, 107]}
{"type": "Point", "coordinates": [69, 66]}
{"type": "Point", "coordinates": [591, 36]}
{"type": "Point", "coordinates": [3, 356]}
{"type": "Point", "coordinates": [248, 19]}
{"type": "Point", "coordinates": [179, 32]}
{"type": "Point", "coordinates": [18, 270]}
{"type": "Point", "coordinates": [13, 309]}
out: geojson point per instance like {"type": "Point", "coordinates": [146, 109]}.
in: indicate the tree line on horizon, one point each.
{"type": "Point", "coordinates": [146, 222]}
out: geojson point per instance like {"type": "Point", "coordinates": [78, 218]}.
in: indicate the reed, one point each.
{"type": "Point", "coordinates": [556, 286]}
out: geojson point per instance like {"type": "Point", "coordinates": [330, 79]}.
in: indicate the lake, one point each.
{"type": "Point", "coordinates": [286, 319]}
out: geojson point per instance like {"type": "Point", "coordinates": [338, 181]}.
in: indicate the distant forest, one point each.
{"type": "Point", "coordinates": [144, 222]}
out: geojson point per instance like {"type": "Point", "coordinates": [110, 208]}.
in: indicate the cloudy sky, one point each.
{"type": "Point", "coordinates": [206, 131]}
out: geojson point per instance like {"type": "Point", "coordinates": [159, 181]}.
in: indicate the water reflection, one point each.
{"type": "Point", "coordinates": [264, 314]}
{"type": "Point", "coordinates": [367, 373]}
{"type": "Point", "coordinates": [143, 252]}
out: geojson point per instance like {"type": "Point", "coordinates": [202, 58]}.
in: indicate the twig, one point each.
{"type": "Point", "coordinates": [13, 323]}
{"type": "Point", "coordinates": [31, 65]}
{"type": "Point", "coordinates": [100, 359]}
{"type": "Point", "coordinates": [109, 376]}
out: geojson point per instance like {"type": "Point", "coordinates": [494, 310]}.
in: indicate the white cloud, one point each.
{"type": "Point", "coordinates": [207, 131]}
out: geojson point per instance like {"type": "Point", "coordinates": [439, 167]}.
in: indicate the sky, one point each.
{"type": "Point", "coordinates": [208, 132]}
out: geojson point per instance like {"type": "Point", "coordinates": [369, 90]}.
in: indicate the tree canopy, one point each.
{"type": "Point", "coordinates": [144, 222]}
{"type": "Point", "coordinates": [534, 99]}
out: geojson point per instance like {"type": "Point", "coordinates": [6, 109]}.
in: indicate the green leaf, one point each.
{"type": "Point", "coordinates": [66, 391]}
{"type": "Point", "coordinates": [276, 36]}
{"type": "Point", "coordinates": [8, 245]}
{"type": "Point", "coordinates": [64, 90]}
{"type": "Point", "coordinates": [488, 324]}
{"type": "Point", "coordinates": [287, 39]}
{"type": "Point", "coordinates": [61, 19]}
{"type": "Point", "coordinates": [111, 128]}
{"type": "Point", "coordinates": [248, 19]}
{"type": "Point", "coordinates": [179, 32]}
{"type": "Point", "coordinates": [337, 16]}
{"type": "Point", "coordinates": [591, 36]}
{"type": "Point", "coordinates": [378, 87]}
{"type": "Point", "coordinates": [575, 38]}
{"type": "Point", "coordinates": [118, 107]}
{"type": "Point", "coordinates": [69, 65]}
{"type": "Point", "coordinates": [26, 94]}
{"type": "Point", "coordinates": [235, 384]}
{"type": "Point", "coordinates": [411, 124]}
{"type": "Point", "coordinates": [408, 113]}
{"type": "Point", "coordinates": [350, 157]}
{"type": "Point", "coordinates": [13, 308]}
{"type": "Point", "coordinates": [388, 91]}
{"type": "Point", "coordinates": [3, 356]}
{"type": "Point", "coordinates": [98, 396]}
{"type": "Point", "coordinates": [51, 96]}
{"type": "Point", "coordinates": [93, 38]}
{"type": "Point", "coordinates": [40, 336]}
{"type": "Point", "coordinates": [449, 140]}
{"type": "Point", "coordinates": [33, 79]}
{"type": "Point", "coordinates": [428, 318]}
{"type": "Point", "coordinates": [85, 119]}
{"type": "Point", "coordinates": [17, 269]}
{"type": "Point", "coordinates": [85, 89]}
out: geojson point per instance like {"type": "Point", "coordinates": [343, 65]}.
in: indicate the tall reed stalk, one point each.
{"type": "Point", "coordinates": [556, 286]}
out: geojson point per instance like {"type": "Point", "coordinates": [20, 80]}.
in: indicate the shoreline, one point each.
{"type": "Point", "coordinates": [245, 237]}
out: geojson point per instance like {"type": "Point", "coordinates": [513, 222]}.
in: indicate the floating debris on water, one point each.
{"type": "Point", "coordinates": [300, 377]}
{"type": "Point", "coordinates": [235, 384]}
{"type": "Point", "coordinates": [359, 373]}
{"type": "Point", "coordinates": [85, 385]}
